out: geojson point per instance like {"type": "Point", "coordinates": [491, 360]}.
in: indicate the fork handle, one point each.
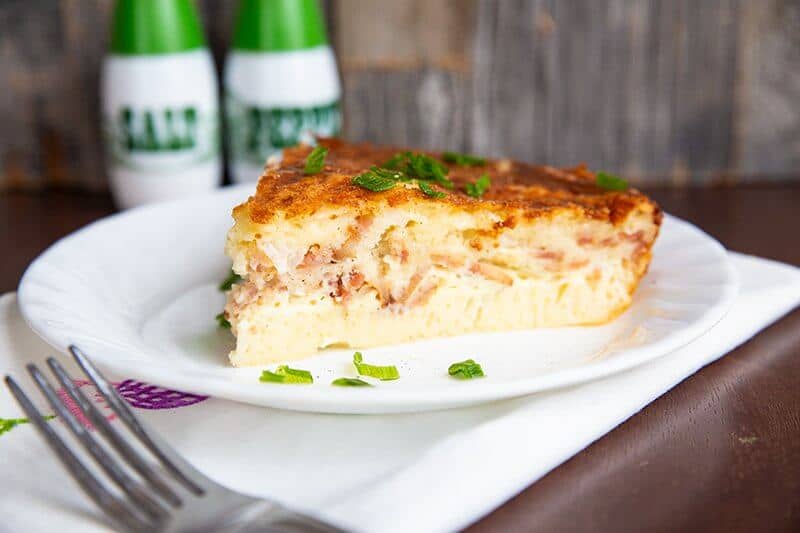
{"type": "Point", "coordinates": [285, 521]}
{"type": "Point", "coordinates": [267, 517]}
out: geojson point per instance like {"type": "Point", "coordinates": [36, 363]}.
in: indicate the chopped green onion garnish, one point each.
{"type": "Point", "coordinates": [465, 160]}
{"type": "Point", "coordinates": [425, 167]}
{"type": "Point", "coordinates": [284, 374]}
{"type": "Point", "coordinates": [480, 186]}
{"type": "Point", "coordinates": [350, 382]}
{"type": "Point", "coordinates": [378, 179]}
{"type": "Point", "coordinates": [406, 166]}
{"type": "Point", "coordinates": [315, 161]}
{"type": "Point", "coordinates": [384, 373]}
{"type": "Point", "coordinates": [228, 283]}
{"type": "Point", "coordinates": [7, 424]}
{"type": "Point", "coordinates": [222, 321]}
{"type": "Point", "coordinates": [420, 167]}
{"type": "Point", "coordinates": [466, 370]}
{"type": "Point", "coordinates": [397, 161]}
{"type": "Point", "coordinates": [610, 182]}
{"type": "Point", "coordinates": [428, 189]}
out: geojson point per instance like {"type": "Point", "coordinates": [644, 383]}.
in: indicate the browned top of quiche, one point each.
{"type": "Point", "coordinates": [518, 190]}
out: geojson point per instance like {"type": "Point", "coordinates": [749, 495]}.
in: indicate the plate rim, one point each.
{"type": "Point", "coordinates": [347, 400]}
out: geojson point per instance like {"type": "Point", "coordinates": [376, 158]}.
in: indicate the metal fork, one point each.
{"type": "Point", "coordinates": [174, 497]}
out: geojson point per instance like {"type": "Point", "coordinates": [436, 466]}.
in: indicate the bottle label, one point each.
{"type": "Point", "coordinates": [161, 139]}
{"type": "Point", "coordinates": [258, 133]}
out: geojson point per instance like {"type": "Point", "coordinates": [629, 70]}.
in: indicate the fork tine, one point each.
{"type": "Point", "coordinates": [132, 457]}
{"type": "Point", "coordinates": [120, 407]}
{"type": "Point", "coordinates": [114, 508]}
{"type": "Point", "coordinates": [133, 489]}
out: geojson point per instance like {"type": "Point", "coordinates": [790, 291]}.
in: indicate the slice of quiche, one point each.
{"type": "Point", "coordinates": [380, 245]}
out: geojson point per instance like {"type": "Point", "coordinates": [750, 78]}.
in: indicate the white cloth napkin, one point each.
{"type": "Point", "coordinates": [434, 471]}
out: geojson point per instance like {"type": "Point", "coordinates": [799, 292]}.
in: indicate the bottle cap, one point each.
{"type": "Point", "coordinates": [278, 25]}
{"type": "Point", "coordinates": [155, 27]}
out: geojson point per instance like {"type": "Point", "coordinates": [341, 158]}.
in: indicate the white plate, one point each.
{"type": "Point", "coordinates": [137, 291]}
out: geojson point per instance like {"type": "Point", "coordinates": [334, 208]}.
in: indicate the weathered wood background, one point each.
{"type": "Point", "coordinates": [665, 91]}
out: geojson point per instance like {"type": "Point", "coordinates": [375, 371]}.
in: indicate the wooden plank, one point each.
{"type": "Point", "coordinates": [26, 66]}
{"type": "Point", "coordinates": [50, 57]}
{"type": "Point", "coordinates": [704, 95]}
{"type": "Point", "coordinates": [643, 88]}
{"type": "Point", "coordinates": [410, 85]}
{"type": "Point", "coordinates": [768, 130]}
{"type": "Point", "coordinates": [425, 108]}
{"type": "Point", "coordinates": [79, 128]}
{"type": "Point", "coordinates": [403, 34]}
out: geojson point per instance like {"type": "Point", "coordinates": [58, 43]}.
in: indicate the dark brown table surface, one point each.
{"type": "Point", "coordinates": [719, 452]}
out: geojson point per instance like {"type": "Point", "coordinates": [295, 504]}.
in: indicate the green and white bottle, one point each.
{"type": "Point", "coordinates": [159, 104]}
{"type": "Point", "coordinates": [281, 83]}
